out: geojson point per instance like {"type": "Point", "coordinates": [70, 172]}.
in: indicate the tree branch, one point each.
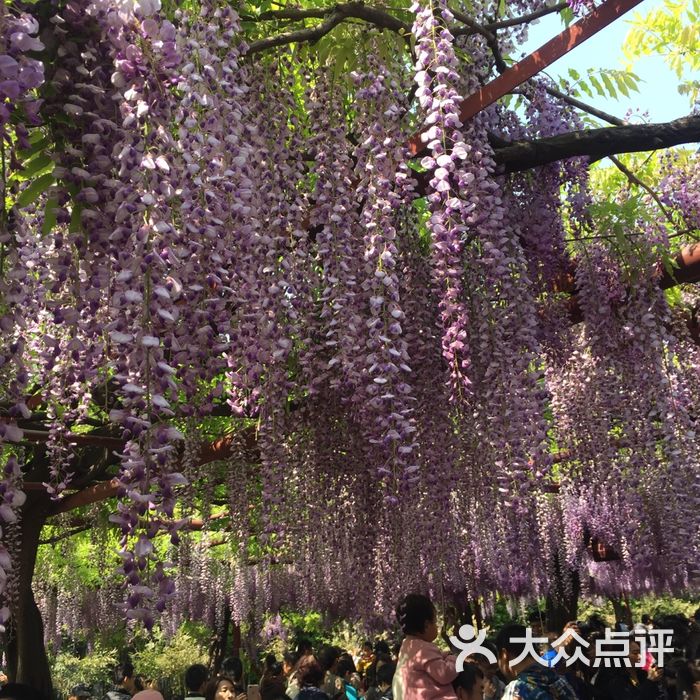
{"type": "Point", "coordinates": [634, 180]}
{"type": "Point", "coordinates": [293, 14]}
{"type": "Point", "coordinates": [87, 496]}
{"type": "Point", "coordinates": [300, 35]}
{"type": "Point", "coordinates": [357, 10]}
{"type": "Point", "coordinates": [491, 40]}
{"type": "Point", "coordinates": [526, 19]}
{"type": "Point", "coordinates": [80, 525]}
{"type": "Point", "coordinates": [212, 452]}
{"type": "Point", "coordinates": [583, 106]}
{"type": "Point", "coordinates": [66, 535]}
{"type": "Point", "coordinates": [597, 143]}
{"type": "Point", "coordinates": [686, 270]}
{"type": "Point", "coordinates": [333, 17]}
{"type": "Point", "coordinates": [515, 156]}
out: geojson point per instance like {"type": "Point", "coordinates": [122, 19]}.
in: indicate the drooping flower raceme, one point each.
{"type": "Point", "coordinates": [439, 100]}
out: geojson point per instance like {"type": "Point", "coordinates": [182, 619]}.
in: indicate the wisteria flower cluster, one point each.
{"type": "Point", "coordinates": [396, 380]}
{"type": "Point", "coordinates": [20, 74]}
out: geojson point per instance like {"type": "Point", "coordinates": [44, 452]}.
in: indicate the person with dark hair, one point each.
{"type": "Point", "coordinates": [80, 692]}
{"type": "Point", "coordinates": [529, 679]}
{"type": "Point", "coordinates": [366, 659]}
{"type": "Point", "coordinates": [290, 661]}
{"type": "Point", "coordinates": [596, 624]}
{"type": "Point", "coordinates": [310, 676]}
{"type": "Point", "coordinates": [385, 677]}
{"type": "Point", "coordinates": [381, 646]}
{"type": "Point", "coordinates": [304, 648]}
{"type": "Point", "coordinates": [224, 688]}
{"type": "Point", "coordinates": [309, 672]}
{"type": "Point", "coordinates": [232, 668]}
{"type": "Point", "coordinates": [423, 671]}
{"type": "Point", "coordinates": [328, 658]}
{"type": "Point", "coordinates": [629, 682]}
{"type": "Point", "coordinates": [125, 683]}
{"type": "Point", "coordinates": [373, 690]}
{"type": "Point", "coordinates": [494, 686]}
{"type": "Point", "coordinates": [469, 684]}
{"type": "Point", "coordinates": [272, 681]}
{"type": "Point", "coordinates": [271, 667]}
{"type": "Point", "coordinates": [196, 677]}
{"type": "Point", "coordinates": [345, 670]}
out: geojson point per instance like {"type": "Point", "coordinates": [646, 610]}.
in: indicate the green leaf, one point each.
{"type": "Point", "coordinates": [690, 88]}
{"type": "Point", "coordinates": [622, 87]}
{"type": "Point", "coordinates": [670, 30]}
{"type": "Point", "coordinates": [35, 190]}
{"type": "Point", "coordinates": [50, 211]}
{"type": "Point", "coordinates": [618, 78]}
{"type": "Point", "coordinates": [631, 80]}
{"type": "Point", "coordinates": [567, 16]}
{"type": "Point", "coordinates": [596, 84]}
{"type": "Point", "coordinates": [324, 48]}
{"type": "Point", "coordinates": [608, 84]}
{"type": "Point", "coordinates": [75, 222]}
{"type": "Point", "coordinates": [673, 296]}
{"type": "Point", "coordinates": [669, 263]}
{"type": "Point", "coordinates": [585, 87]}
{"type": "Point", "coordinates": [38, 141]}
{"type": "Point", "coordinates": [344, 59]}
{"type": "Point", "coordinates": [34, 167]}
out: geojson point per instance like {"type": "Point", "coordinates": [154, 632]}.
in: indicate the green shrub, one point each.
{"type": "Point", "coordinates": [95, 670]}
{"type": "Point", "coordinates": [166, 660]}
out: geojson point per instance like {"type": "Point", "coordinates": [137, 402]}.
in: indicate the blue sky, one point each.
{"type": "Point", "coordinates": [658, 94]}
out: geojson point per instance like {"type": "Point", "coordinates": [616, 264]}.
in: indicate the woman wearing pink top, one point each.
{"type": "Point", "coordinates": [423, 671]}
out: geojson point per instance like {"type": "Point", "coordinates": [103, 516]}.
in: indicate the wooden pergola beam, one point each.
{"type": "Point", "coordinates": [215, 451]}
{"type": "Point", "coordinates": [80, 439]}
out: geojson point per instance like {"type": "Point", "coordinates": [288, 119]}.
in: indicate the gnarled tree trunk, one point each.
{"type": "Point", "coordinates": [26, 652]}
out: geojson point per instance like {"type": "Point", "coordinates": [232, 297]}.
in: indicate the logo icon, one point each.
{"type": "Point", "coordinates": [471, 642]}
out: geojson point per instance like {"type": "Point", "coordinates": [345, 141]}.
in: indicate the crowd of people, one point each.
{"type": "Point", "coordinates": [571, 664]}
{"type": "Point", "coordinates": [518, 663]}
